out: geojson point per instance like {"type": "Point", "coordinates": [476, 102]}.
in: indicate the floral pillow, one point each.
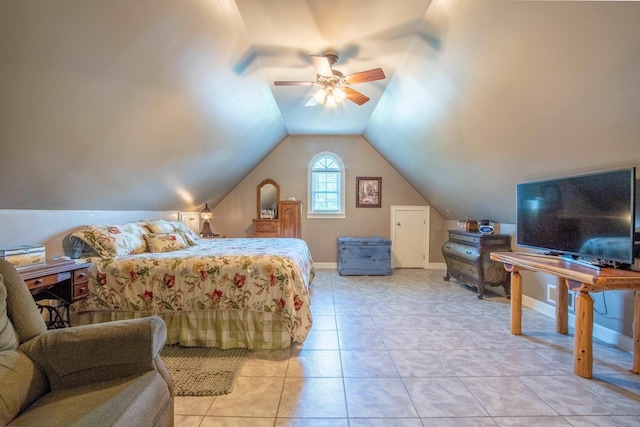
{"type": "Point", "coordinates": [165, 242]}
{"type": "Point", "coordinates": [113, 240]}
{"type": "Point", "coordinates": [164, 226]}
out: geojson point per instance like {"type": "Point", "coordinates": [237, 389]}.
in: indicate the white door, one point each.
{"type": "Point", "coordinates": [409, 237]}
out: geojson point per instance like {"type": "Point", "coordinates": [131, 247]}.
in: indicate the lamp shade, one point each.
{"type": "Point", "coordinates": [206, 213]}
{"type": "Point", "coordinates": [320, 96]}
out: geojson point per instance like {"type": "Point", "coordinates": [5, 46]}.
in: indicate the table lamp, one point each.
{"type": "Point", "coordinates": [206, 215]}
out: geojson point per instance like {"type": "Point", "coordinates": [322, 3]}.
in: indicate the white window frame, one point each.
{"type": "Point", "coordinates": [335, 215]}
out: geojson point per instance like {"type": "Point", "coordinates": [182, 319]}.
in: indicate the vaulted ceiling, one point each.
{"type": "Point", "coordinates": [478, 95]}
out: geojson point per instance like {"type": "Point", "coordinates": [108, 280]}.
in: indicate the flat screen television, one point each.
{"type": "Point", "coordinates": [588, 217]}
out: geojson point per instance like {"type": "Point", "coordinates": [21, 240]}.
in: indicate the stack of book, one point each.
{"type": "Point", "coordinates": [24, 255]}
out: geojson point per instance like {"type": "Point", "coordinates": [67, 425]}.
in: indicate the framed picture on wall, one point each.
{"type": "Point", "coordinates": [368, 192]}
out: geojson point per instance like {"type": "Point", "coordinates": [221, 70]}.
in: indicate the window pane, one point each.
{"type": "Point", "coordinates": [326, 186]}
{"type": "Point", "coordinates": [325, 163]}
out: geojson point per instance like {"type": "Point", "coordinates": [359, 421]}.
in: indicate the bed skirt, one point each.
{"type": "Point", "coordinates": [222, 329]}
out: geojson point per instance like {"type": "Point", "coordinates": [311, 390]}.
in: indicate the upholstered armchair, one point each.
{"type": "Point", "coordinates": [104, 374]}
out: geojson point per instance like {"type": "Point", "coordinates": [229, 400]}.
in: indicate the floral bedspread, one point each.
{"type": "Point", "coordinates": [256, 275]}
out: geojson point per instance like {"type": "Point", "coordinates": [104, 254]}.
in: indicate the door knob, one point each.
{"type": "Point", "coordinates": [398, 224]}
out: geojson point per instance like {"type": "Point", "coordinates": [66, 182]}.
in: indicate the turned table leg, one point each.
{"type": "Point", "coordinates": [562, 311]}
{"type": "Point", "coordinates": [516, 303]}
{"type": "Point", "coordinates": [635, 368]}
{"type": "Point", "coordinates": [583, 340]}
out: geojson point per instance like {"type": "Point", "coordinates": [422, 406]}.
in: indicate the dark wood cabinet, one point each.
{"type": "Point", "coordinates": [468, 260]}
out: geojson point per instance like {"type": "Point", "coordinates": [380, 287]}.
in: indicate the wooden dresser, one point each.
{"type": "Point", "coordinates": [288, 223]}
{"type": "Point", "coordinates": [265, 228]}
{"type": "Point", "coordinates": [468, 260]}
{"type": "Point", "coordinates": [290, 217]}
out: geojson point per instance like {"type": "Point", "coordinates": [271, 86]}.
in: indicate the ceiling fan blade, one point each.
{"type": "Point", "coordinates": [355, 96]}
{"type": "Point", "coordinates": [293, 83]}
{"type": "Point", "coordinates": [323, 67]}
{"type": "Point", "coordinates": [365, 76]}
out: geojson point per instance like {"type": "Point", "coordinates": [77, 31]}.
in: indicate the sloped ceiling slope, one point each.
{"type": "Point", "coordinates": [366, 34]}
{"type": "Point", "coordinates": [165, 105]}
{"type": "Point", "coordinates": [513, 91]}
{"type": "Point", "coordinates": [128, 105]}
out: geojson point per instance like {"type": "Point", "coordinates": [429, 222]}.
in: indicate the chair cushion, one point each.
{"type": "Point", "coordinates": [21, 384]}
{"type": "Point", "coordinates": [139, 400]}
{"type": "Point", "coordinates": [8, 336]}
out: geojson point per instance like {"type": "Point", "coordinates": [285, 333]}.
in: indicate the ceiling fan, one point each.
{"type": "Point", "coordinates": [334, 86]}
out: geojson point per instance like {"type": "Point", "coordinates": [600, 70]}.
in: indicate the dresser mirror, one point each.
{"type": "Point", "coordinates": [268, 196]}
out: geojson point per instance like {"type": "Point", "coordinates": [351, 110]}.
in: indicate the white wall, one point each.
{"type": "Point", "coordinates": [288, 165]}
{"type": "Point", "coordinates": [49, 228]}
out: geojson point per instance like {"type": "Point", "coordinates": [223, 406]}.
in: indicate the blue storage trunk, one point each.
{"type": "Point", "coordinates": [364, 256]}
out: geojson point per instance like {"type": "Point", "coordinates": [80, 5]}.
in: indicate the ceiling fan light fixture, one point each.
{"type": "Point", "coordinates": [335, 86]}
{"type": "Point", "coordinates": [331, 100]}
{"type": "Point", "coordinates": [320, 96]}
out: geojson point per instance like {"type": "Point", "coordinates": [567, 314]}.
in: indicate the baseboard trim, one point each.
{"type": "Point", "coordinates": [605, 334]}
{"type": "Point", "coordinates": [334, 266]}
{"type": "Point", "coordinates": [326, 265]}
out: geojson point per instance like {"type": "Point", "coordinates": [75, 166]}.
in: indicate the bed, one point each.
{"type": "Point", "coordinates": [223, 292]}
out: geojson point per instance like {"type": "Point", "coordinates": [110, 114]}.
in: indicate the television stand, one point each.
{"type": "Point", "coordinates": [582, 280]}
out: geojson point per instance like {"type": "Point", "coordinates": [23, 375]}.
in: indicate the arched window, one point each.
{"type": "Point", "coordinates": [326, 185]}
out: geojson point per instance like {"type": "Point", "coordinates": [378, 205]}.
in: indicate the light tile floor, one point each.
{"type": "Point", "coordinates": [413, 350]}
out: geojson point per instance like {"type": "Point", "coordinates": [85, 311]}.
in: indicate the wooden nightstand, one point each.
{"type": "Point", "coordinates": [65, 280]}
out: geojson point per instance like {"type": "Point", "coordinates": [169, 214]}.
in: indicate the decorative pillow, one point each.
{"type": "Point", "coordinates": [113, 240]}
{"type": "Point", "coordinates": [164, 226]}
{"type": "Point", "coordinates": [190, 235]}
{"type": "Point", "coordinates": [165, 242]}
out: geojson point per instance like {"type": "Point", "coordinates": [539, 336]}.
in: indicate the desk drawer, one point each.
{"type": "Point", "coordinates": [80, 276]}
{"type": "Point", "coordinates": [80, 283]}
{"type": "Point", "coordinates": [80, 291]}
{"type": "Point", "coordinates": [41, 283]}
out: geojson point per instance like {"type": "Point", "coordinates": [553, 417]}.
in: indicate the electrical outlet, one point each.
{"type": "Point", "coordinates": [571, 301]}
{"type": "Point", "coordinates": [552, 293]}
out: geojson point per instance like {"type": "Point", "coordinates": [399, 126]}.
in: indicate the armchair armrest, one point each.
{"type": "Point", "coordinates": [85, 354]}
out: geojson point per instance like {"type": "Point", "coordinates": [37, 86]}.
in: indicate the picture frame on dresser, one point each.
{"type": "Point", "coordinates": [368, 192]}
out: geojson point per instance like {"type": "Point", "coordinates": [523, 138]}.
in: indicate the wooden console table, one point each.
{"type": "Point", "coordinates": [64, 280]}
{"type": "Point", "coordinates": [583, 280]}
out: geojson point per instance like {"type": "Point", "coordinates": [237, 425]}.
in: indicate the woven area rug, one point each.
{"type": "Point", "coordinates": [203, 371]}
